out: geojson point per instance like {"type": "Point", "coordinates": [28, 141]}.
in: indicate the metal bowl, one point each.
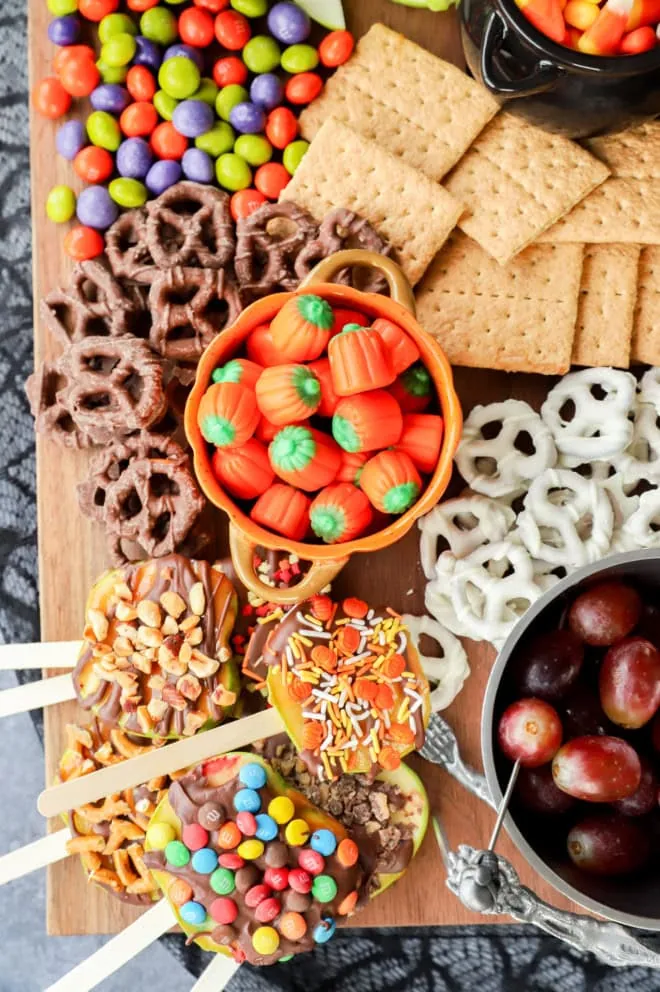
{"type": "Point", "coordinates": [634, 901]}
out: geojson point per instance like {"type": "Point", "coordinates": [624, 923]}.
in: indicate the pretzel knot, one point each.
{"type": "Point", "coordinates": [126, 247]}
{"type": "Point", "coordinates": [190, 307]}
{"type": "Point", "coordinates": [504, 445]}
{"type": "Point", "coordinates": [641, 460]}
{"type": "Point", "coordinates": [642, 528]}
{"type": "Point", "coordinates": [268, 243]}
{"type": "Point", "coordinates": [587, 413]}
{"type": "Point", "coordinates": [448, 672]}
{"type": "Point", "coordinates": [341, 229]}
{"type": "Point", "coordinates": [463, 524]}
{"type": "Point", "coordinates": [190, 224]}
{"type": "Point", "coordinates": [567, 520]}
{"type": "Point", "coordinates": [99, 389]}
{"type": "Point", "coordinates": [154, 503]}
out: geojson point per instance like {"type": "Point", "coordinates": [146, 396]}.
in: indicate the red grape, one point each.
{"type": "Point", "coordinates": [583, 714]}
{"type": "Point", "coordinates": [655, 733]}
{"type": "Point", "coordinates": [537, 791]}
{"type": "Point", "coordinates": [608, 845]}
{"type": "Point", "coordinates": [605, 613]}
{"type": "Point", "coordinates": [598, 769]}
{"type": "Point", "coordinates": [645, 797]}
{"type": "Point", "coordinates": [629, 682]}
{"type": "Point", "coordinates": [549, 666]}
{"type": "Point", "coordinates": [530, 731]}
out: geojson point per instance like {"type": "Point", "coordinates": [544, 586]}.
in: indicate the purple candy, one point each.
{"type": "Point", "coordinates": [96, 208]}
{"type": "Point", "coordinates": [110, 97]}
{"type": "Point", "coordinates": [247, 118]}
{"type": "Point", "coordinates": [147, 53]}
{"type": "Point", "coordinates": [198, 166]}
{"type": "Point", "coordinates": [162, 175]}
{"type": "Point", "coordinates": [134, 158]}
{"type": "Point", "coordinates": [289, 23]}
{"type": "Point", "coordinates": [64, 31]}
{"type": "Point", "coordinates": [267, 91]}
{"type": "Point", "coordinates": [70, 139]}
{"type": "Point", "coordinates": [193, 117]}
{"type": "Point", "coordinates": [186, 52]}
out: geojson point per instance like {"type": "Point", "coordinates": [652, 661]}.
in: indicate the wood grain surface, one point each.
{"type": "Point", "coordinates": [72, 554]}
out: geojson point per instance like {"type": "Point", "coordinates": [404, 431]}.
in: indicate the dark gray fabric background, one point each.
{"type": "Point", "coordinates": [451, 959]}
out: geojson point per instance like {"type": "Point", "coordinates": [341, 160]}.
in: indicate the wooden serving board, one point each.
{"type": "Point", "coordinates": [72, 554]}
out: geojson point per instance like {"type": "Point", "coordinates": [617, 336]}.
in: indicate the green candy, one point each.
{"type": "Point", "coordinates": [254, 148]}
{"type": "Point", "coordinates": [218, 431]}
{"type": "Point", "coordinates": [299, 58]}
{"type": "Point", "coordinates": [231, 372]}
{"type": "Point", "coordinates": [328, 523]}
{"type": "Point", "coordinates": [222, 881]}
{"type": "Point", "coordinates": [250, 8]}
{"type": "Point", "coordinates": [179, 77]}
{"type": "Point", "coordinates": [292, 449]}
{"type": "Point", "coordinates": [219, 140]}
{"type": "Point", "coordinates": [103, 130]}
{"type": "Point", "coordinates": [159, 25]}
{"type": "Point", "coordinates": [112, 73]}
{"type": "Point", "coordinates": [293, 155]}
{"type": "Point", "coordinates": [228, 98]}
{"type": "Point", "coordinates": [261, 54]}
{"type": "Point", "coordinates": [128, 192]}
{"type": "Point", "coordinates": [345, 434]}
{"type": "Point", "coordinates": [177, 854]}
{"type": "Point", "coordinates": [60, 8]}
{"type": "Point", "coordinates": [400, 498]}
{"type": "Point", "coordinates": [233, 172]}
{"type": "Point", "coordinates": [113, 24]}
{"type": "Point", "coordinates": [61, 204]}
{"type": "Point", "coordinates": [324, 888]}
{"type": "Point", "coordinates": [315, 310]}
{"type": "Point", "coordinates": [119, 49]}
{"type": "Point", "coordinates": [207, 92]}
{"type": "Point", "coordinates": [165, 104]}
{"type": "Point", "coordinates": [306, 385]}
{"type": "Point", "coordinates": [417, 380]}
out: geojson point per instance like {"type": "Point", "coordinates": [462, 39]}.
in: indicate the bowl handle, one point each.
{"type": "Point", "coordinates": [242, 556]}
{"type": "Point", "coordinates": [399, 287]}
{"type": "Point", "coordinates": [543, 77]}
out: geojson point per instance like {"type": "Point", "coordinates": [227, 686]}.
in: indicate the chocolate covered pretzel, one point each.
{"type": "Point", "coordinates": [268, 244]}
{"type": "Point", "coordinates": [127, 250]}
{"type": "Point", "coordinates": [190, 307]}
{"type": "Point", "coordinates": [190, 224]}
{"type": "Point", "coordinates": [341, 229]}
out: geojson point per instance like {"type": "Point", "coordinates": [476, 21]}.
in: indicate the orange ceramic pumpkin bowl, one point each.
{"type": "Point", "coordinates": [327, 559]}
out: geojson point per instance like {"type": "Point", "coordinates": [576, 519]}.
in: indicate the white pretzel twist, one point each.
{"type": "Point", "coordinates": [639, 528]}
{"type": "Point", "coordinates": [465, 523]}
{"type": "Point", "coordinates": [567, 520]}
{"type": "Point", "coordinates": [495, 466]}
{"type": "Point", "coordinates": [437, 598]}
{"type": "Point", "coordinates": [599, 427]}
{"type": "Point", "coordinates": [641, 460]}
{"type": "Point", "coordinates": [450, 671]}
{"type": "Point", "coordinates": [487, 601]}
{"type": "Point", "coordinates": [648, 390]}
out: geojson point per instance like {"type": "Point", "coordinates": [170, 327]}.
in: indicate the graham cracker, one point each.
{"type": "Point", "coordinates": [626, 208]}
{"type": "Point", "coordinates": [604, 327]}
{"type": "Point", "coordinates": [343, 169]}
{"type": "Point", "coordinates": [520, 318]}
{"type": "Point", "coordinates": [646, 326]}
{"type": "Point", "coordinates": [516, 181]}
{"type": "Point", "coordinates": [410, 102]}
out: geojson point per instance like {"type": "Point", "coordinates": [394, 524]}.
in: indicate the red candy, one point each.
{"type": "Point", "coordinates": [336, 48]}
{"type": "Point", "coordinates": [50, 99]}
{"type": "Point", "coordinates": [311, 861]}
{"type": "Point", "coordinates": [79, 75]}
{"type": "Point", "coordinates": [232, 30]}
{"type": "Point", "coordinates": [246, 823]}
{"type": "Point", "coordinates": [83, 243]}
{"type": "Point", "coordinates": [268, 910]}
{"type": "Point", "coordinates": [277, 878]}
{"type": "Point", "coordinates": [69, 52]}
{"type": "Point", "coordinates": [256, 894]}
{"type": "Point", "coordinates": [303, 88]}
{"type": "Point", "coordinates": [245, 202]}
{"type": "Point", "coordinates": [230, 71]}
{"type": "Point", "coordinates": [166, 142]}
{"type": "Point", "coordinates": [196, 27]}
{"type": "Point", "coordinates": [281, 127]}
{"type": "Point", "coordinates": [195, 837]}
{"type": "Point", "coordinates": [94, 165]}
{"type": "Point", "coordinates": [300, 880]}
{"type": "Point", "coordinates": [141, 5]}
{"type": "Point", "coordinates": [214, 6]}
{"type": "Point", "coordinates": [96, 10]}
{"type": "Point", "coordinates": [640, 40]}
{"type": "Point", "coordinates": [232, 861]}
{"type": "Point", "coordinates": [271, 179]}
{"type": "Point", "coordinates": [139, 119]}
{"type": "Point", "coordinates": [223, 910]}
{"type": "Point", "coordinates": [140, 83]}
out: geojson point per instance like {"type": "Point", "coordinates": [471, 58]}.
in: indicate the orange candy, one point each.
{"type": "Point", "coordinates": [312, 735]}
{"type": "Point", "coordinates": [349, 640]}
{"type": "Point", "coordinates": [50, 99]}
{"type": "Point", "coordinates": [79, 75]}
{"type": "Point", "coordinates": [94, 165]}
{"type": "Point", "coordinates": [402, 733]}
{"type": "Point", "coordinates": [356, 608]}
{"type": "Point", "coordinates": [322, 607]}
{"type": "Point", "coordinates": [389, 759]}
{"type": "Point", "coordinates": [179, 892]}
{"type": "Point", "coordinates": [347, 853]}
{"type": "Point", "coordinates": [139, 119]}
{"type": "Point", "coordinates": [640, 40]}
{"type": "Point", "coordinates": [336, 48]}
{"type": "Point", "coordinates": [243, 471]}
{"type": "Point", "coordinates": [347, 905]}
{"type": "Point", "coordinates": [232, 30]}
{"type": "Point", "coordinates": [245, 202]}
{"type": "Point", "coordinates": [324, 657]}
{"type": "Point", "coordinates": [96, 10]}
{"type": "Point", "coordinates": [365, 689]}
{"type": "Point", "coordinates": [292, 926]}
{"type": "Point", "coordinates": [260, 347]}
{"type": "Point", "coordinates": [140, 83]}
{"type": "Point", "coordinates": [281, 127]}
{"type": "Point", "coordinates": [401, 349]}
{"type": "Point", "coordinates": [141, 5]}
{"type": "Point", "coordinates": [230, 71]}
{"type": "Point", "coordinates": [196, 27]}
{"type": "Point", "coordinates": [283, 509]}
{"type": "Point", "coordinates": [229, 836]}
{"type": "Point", "coordinates": [271, 179]}
{"type": "Point", "coordinates": [351, 466]}
{"type": "Point", "coordinates": [421, 439]}
{"type": "Point", "coordinates": [329, 399]}
{"type": "Point", "coordinates": [71, 52]}
{"type": "Point", "coordinates": [166, 142]}
{"type": "Point", "coordinates": [82, 243]}
{"type": "Point", "coordinates": [394, 666]}
{"type": "Point", "coordinates": [303, 88]}
{"type": "Point", "coordinates": [580, 14]}
{"type": "Point", "coordinates": [300, 690]}
{"type": "Point", "coordinates": [384, 698]}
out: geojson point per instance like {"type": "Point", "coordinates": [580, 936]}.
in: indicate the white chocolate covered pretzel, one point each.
{"type": "Point", "coordinates": [448, 673]}
{"type": "Point", "coordinates": [641, 459]}
{"type": "Point", "coordinates": [437, 596]}
{"type": "Point", "coordinates": [464, 523]}
{"type": "Point", "coordinates": [587, 413]}
{"type": "Point", "coordinates": [642, 529]}
{"type": "Point", "coordinates": [497, 465]}
{"type": "Point", "coordinates": [648, 390]}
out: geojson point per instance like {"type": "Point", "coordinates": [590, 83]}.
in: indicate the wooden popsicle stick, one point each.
{"type": "Point", "coordinates": [217, 976]}
{"type": "Point", "coordinates": [113, 955]}
{"type": "Point", "coordinates": [45, 851]}
{"type": "Point", "coordinates": [43, 654]}
{"type": "Point", "coordinates": [159, 761]}
{"type": "Point", "coordinates": [34, 695]}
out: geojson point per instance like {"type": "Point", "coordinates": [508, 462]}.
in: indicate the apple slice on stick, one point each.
{"type": "Point", "coordinates": [45, 851]}
{"type": "Point", "coordinates": [184, 753]}
{"type": "Point", "coordinates": [43, 654]}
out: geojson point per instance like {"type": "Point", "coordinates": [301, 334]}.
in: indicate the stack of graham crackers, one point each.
{"type": "Point", "coordinates": [529, 252]}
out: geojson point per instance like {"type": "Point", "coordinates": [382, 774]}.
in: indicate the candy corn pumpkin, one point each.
{"type": "Point", "coordinates": [391, 481]}
{"type": "Point", "coordinates": [260, 348]}
{"type": "Point", "coordinates": [329, 399]}
{"type": "Point", "coordinates": [340, 512]}
{"type": "Point", "coordinates": [343, 317]}
{"type": "Point", "coordinates": [288, 393]}
{"type": "Point", "coordinates": [304, 457]}
{"type": "Point", "coordinates": [359, 361]}
{"type": "Point", "coordinates": [227, 414]}
{"type": "Point", "coordinates": [367, 421]}
{"type": "Point", "coordinates": [284, 510]}
{"type": "Point", "coordinates": [266, 431]}
{"type": "Point", "coordinates": [302, 328]}
{"type": "Point", "coordinates": [413, 390]}
{"type": "Point", "coordinates": [351, 465]}
{"type": "Point", "coordinates": [245, 472]}
{"type": "Point", "coordinates": [240, 370]}
{"type": "Point", "coordinates": [421, 439]}
{"type": "Point", "coordinates": [401, 349]}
